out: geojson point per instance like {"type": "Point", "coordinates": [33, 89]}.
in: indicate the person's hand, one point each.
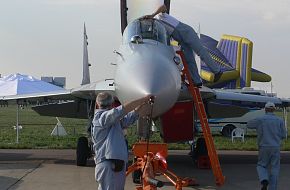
{"type": "Point", "coordinates": [145, 105]}
{"type": "Point", "coordinates": [149, 99]}
{"type": "Point", "coordinates": [145, 99]}
{"type": "Point", "coordinates": [147, 17]}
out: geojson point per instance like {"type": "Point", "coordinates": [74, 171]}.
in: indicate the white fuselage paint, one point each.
{"type": "Point", "coordinates": [148, 68]}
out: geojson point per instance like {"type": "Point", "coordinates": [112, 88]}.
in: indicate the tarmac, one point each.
{"type": "Point", "coordinates": [55, 169]}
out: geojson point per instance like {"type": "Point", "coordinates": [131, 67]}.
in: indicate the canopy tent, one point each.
{"type": "Point", "coordinates": [18, 84]}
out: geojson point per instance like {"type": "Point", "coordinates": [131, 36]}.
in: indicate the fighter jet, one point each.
{"type": "Point", "coordinates": [146, 64]}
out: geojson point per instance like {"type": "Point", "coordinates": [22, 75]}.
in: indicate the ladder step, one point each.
{"type": "Point", "coordinates": [214, 162]}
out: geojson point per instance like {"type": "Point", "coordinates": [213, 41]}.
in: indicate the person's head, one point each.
{"type": "Point", "coordinates": [104, 100]}
{"type": "Point", "coordinates": [270, 107]}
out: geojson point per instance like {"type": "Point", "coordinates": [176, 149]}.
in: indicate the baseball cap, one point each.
{"type": "Point", "coordinates": [270, 105]}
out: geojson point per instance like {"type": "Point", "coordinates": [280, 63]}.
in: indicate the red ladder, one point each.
{"type": "Point", "coordinates": [214, 161]}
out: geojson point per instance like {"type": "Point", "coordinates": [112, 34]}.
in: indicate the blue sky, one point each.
{"type": "Point", "coordinates": [44, 37]}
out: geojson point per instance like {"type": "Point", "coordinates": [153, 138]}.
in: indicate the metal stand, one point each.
{"type": "Point", "coordinates": [285, 115]}
{"type": "Point", "coordinates": [17, 124]}
{"type": "Point", "coordinates": [153, 163]}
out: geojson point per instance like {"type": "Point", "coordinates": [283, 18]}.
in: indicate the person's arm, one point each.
{"type": "Point", "coordinates": [283, 130]}
{"type": "Point", "coordinates": [136, 104]}
{"type": "Point", "coordinates": [141, 107]}
{"type": "Point", "coordinates": [142, 110]}
{"type": "Point", "coordinates": [129, 119]}
{"type": "Point", "coordinates": [108, 117]}
{"type": "Point", "coordinates": [161, 9]}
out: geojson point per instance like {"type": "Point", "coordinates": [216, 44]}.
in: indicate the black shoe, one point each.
{"type": "Point", "coordinates": [217, 76]}
{"type": "Point", "coordinates": [198, 85]}
{"type": "Point", "coordinates": [264, 184]}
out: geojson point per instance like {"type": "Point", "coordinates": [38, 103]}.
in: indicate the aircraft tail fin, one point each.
{"type": "Point", "coordinates": [86, 64]}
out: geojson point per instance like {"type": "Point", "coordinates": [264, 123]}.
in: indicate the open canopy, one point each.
{"type": "Point", "coordinates": [17, 84]}
{"type": "Point", "coordinates": [133, 9]}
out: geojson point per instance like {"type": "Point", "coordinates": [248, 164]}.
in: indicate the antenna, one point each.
{"type": "Point", "coordinates": [272, 88]}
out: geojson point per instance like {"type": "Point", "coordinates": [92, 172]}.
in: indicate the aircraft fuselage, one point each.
{"type": "Point", "coordinates": [146, 66]}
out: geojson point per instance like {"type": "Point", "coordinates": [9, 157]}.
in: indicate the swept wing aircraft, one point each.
{"type": "Point", "coordinates": [146, 64]}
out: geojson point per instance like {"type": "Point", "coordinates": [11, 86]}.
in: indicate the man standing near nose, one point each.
{"type": "Point", "coordinates": [110, 147]}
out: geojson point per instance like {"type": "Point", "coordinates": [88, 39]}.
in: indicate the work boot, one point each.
{"type": "Point", "coordinates": [217, 76]}
{"type": "Point", "coordinates": [198, 85]}
{"type": "Point", "coordinates": [264, 184]}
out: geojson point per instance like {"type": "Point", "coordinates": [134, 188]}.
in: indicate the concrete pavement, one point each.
{"type": "Point", "coordinates": [56, 169]}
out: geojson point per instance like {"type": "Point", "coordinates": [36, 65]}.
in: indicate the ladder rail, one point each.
{"type": "Point", "coordinates": [198, 103]}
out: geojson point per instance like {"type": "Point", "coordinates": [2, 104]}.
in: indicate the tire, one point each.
{"type": "Point", "coordinates": [198, 149]}
{"type": "Point", "coordinates": [227, 130]}
{"type": "Point", "coordinates": [137, 175]}
{"type": "Point", "coordinates": [82, 152]}
{"type": "Point", "coordinates": [201, 149]}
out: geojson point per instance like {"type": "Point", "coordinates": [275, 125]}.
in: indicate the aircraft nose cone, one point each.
{"type": "Point", "coordinates": [137, 80]}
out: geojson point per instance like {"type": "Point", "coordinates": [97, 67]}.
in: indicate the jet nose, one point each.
{"type": "Point", "coordinates": [160, 78]}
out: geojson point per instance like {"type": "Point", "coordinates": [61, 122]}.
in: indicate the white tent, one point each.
{"type": "Point", "coordinates": [18, 84]}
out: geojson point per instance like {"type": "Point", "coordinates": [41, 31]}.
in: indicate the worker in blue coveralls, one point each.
{"type": "Point", "coordinates": [110, 148]}
{"type": "Point", "coordinates": [189, 41]}
{"type": "Point", "coordinates": [270, 131]}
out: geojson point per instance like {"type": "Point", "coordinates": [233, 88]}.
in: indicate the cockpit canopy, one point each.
{"type": "Point", "coordinates": [142, 29]}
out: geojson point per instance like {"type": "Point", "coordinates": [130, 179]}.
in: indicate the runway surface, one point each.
{"type": "Point", "coordinates": [56, 169]}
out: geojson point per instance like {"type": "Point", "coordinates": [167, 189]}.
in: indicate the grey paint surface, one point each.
{"type": "Point", "coordinates": [55, 169]}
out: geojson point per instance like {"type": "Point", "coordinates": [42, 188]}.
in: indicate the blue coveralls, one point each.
{"type": "Point", "coordinates": [189, 41]}
{"type": "Point", "coordinates": [109, 143]}
{"type": "Point", "coordinates": [270, 131]}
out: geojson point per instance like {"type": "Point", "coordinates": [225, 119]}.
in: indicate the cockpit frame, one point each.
{"type": "Point", "coordinates": [146, 29]}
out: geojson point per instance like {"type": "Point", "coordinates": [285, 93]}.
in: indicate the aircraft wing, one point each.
{"type": "Point", "coordinates": [90, 91]}
{"type": "Point", "coordinates": [249, 99]}
{"type": "Point", "coordinates": [220, 103]}
{"type": "Point", "coordinates": [83, 103]}
{"type": "Point", "coordinates": [285, 102]}
{"type": "Point", "coordinates": [73, 103]}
